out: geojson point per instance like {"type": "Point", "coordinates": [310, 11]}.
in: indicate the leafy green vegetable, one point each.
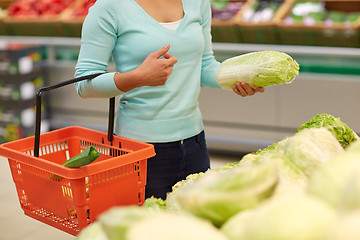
{"type": "Point", "coordinates": [155, 203]}
{"type": "Point", "coordinates": [172, 226]}
{"type": "Point", "coordinates": [134, 223]}
{"type": "Point", "coordinates": [283, 217]}
{"type": "Point", "coordinates": [92, 232]}
{"type": "Point", "coordinates": [310, 148]}
{"type": "Point", "coordinates": [264, 68]}
{"type": "Point", "coordinates": [117, 221]}
{"type": "Point", "coordinates": [344, 134]}
{"type": "Point", "coordinates": [346, 227]}
{"type": "Point", "coordinates": [219, 195]}
{"type": "Point", "coordinates": [172, 203]}
{"type": "Point", "coordinates": [337, 182]}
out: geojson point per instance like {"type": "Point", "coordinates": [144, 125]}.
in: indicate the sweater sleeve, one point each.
{"type": "Point", "coordinates": [209, 64]}
{"type": "Point", "coordinates": [99, 34]}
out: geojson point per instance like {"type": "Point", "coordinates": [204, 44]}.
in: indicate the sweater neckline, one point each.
{"type": "Point", "coordinates": [160, 25]}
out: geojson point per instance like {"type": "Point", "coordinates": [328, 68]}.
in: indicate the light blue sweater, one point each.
{"type": "Point", "coordinates": [123, 30]}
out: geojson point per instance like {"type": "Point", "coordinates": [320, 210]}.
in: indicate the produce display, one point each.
{"type": "Point", "coordinates": [225, 10]}
{"type": "Point", "coordinates": [304, 187]}
{"type": "Point", "coordinates": [37, 8]}
{"type": "Point", "coordinates": [263, 68]}
{"type": "Point", "coordinates": [261, 11]}
{"type": "Point", "coordinates": [49, 8]}
{"type": "Point", "coordinates": [78, 9]}
{"type": "Point", "coordinates": [315, 12]}
{"type": "Point", "coordinates": [2, 13]}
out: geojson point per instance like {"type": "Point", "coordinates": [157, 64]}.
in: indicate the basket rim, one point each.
{"type": "Point", "coordinates": [147, 151]}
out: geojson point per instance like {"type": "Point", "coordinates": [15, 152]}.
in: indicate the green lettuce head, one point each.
{"type": "Point", "coordinates": [134, 223]}
{"type": "Point", "coordinates": [346, 227]}
{"type": "Point", "coordinates": [310, 148]}
{"type": "Point", "coordinates": [155, 203]}
{"type": "Point", "coordinates": [337, 182]}
{"type": "Point", "coordinates": [343, 133]}
{"type": "Point", "coordinates": [94, 231]}
{"type": "Point", "coordinates": [284, 217]}
{"type": "Point", "coordinates": [264, 68]}
{"type": "Point", "coordinates": [219, 195]}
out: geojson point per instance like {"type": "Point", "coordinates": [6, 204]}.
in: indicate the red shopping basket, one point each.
{"type": "Point", "coordinates": [74, 199]}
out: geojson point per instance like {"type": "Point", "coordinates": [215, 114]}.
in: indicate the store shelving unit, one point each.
{"type": "Point", "coordinates": [22, 72]}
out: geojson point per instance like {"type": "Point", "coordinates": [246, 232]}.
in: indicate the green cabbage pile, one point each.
{"type": "Point", "coordinates": [263, 68]}
{"type": "Point", "coordinates": [304, 187]}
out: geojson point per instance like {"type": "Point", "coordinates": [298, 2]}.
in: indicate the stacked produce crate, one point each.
{"type": "Point", "coordinates": [291, 22]}
{"type": "Point", "coordinates": [44, 17]}
{"type": "Point", "coordinates": [254, 22]}
{"type": "Point", "coordinates": [321, 23]}
{"type": "Point", "coordinates": [224, 26]}
{"type": "Point", "coordinates": [257, 20]}
{"type": "Point", "coordinates": [22, 71]}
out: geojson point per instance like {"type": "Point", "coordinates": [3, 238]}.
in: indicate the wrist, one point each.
{"type": "Point", "coordinates": [127, 81]}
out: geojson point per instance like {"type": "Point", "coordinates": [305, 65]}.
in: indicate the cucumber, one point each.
{"type": "Point", "coordinates": [87, 156]}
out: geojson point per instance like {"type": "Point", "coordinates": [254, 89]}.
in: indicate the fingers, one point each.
{"type": "Point", "coordinates": [161, 51]}
{"type": "Point", "coordinates": [243, 89]}
{"type": "Point", "coordinates": [171, 59]}
{"type": "Point", "coordinates": [258, 89]}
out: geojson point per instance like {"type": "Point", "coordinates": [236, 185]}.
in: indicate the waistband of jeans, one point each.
{"type": "Point", "coordinates": [192, 139]}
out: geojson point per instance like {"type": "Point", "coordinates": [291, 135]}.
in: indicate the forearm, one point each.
{"type": "Point", "coordinates": [128, 80]}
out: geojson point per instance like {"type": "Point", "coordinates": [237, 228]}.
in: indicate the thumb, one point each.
{"type": "Point", "coordinates": [161, 51]}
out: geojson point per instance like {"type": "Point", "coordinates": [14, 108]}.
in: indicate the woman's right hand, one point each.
{"type": "Point", "coordinates": [154, 71]}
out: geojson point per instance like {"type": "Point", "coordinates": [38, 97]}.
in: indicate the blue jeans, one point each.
{"type": "Point", "coordinates": [173, 162]}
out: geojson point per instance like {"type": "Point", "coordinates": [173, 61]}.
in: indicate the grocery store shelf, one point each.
{"type": "Point", "coordinates": [49, 41]}
{"type": "Point", "coordinates": [303, 50]}
{"type": "Point", "coordinates": [223, 47]}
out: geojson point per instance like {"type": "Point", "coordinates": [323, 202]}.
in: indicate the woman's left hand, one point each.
{"type": "Point", "coordinates": [243, 89]}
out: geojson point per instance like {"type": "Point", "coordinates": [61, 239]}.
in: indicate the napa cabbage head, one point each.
{"type": "Point", "coordinates": [117, 221]}
{"type": "Point", "coordinates": [155, 203]}
{"type": "Point", "coordinates": [263, 68]}
{"type": "Point", "coordinates": [337, 182]}
{"type": "Point", "coordinates": [346, 227]}
{"type": "Point", "coordinates": [289, 175]}
{"type": "Point", "coordinates": [219, 195]}
{"type": "Point", "coordinates": [310, 148]}
{"type": "Point", "coordinates": [168, 225]}
{"type": "Point", "coordinates": [172, 203]}
{"type": "Point", "coordinates": [134, 223]}
{"type": "Point", "coordinates": [288, 216]}
{"type": "Point", "coordinates": [94, 231]}
{"type": "Point", "coordinates": [343, 133]}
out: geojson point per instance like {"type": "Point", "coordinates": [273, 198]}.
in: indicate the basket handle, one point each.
{"type": "Point", "coordinates": [65, 83]}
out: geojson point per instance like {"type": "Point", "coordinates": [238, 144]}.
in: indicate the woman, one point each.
{"type": "Point", "coordinates": [163, 55]}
